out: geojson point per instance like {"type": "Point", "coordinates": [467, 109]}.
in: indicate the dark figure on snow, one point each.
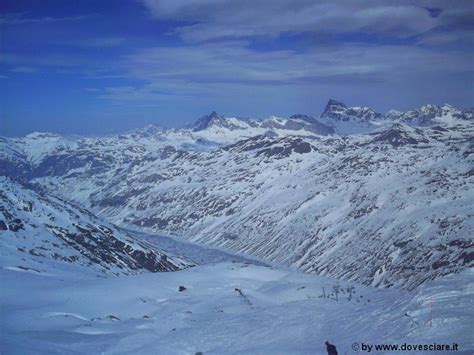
{"type": "Point", "coordinates": [331, 348]}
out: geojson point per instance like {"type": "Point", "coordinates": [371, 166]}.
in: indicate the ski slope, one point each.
{"type": "Point", "coordinates": [227, 308]}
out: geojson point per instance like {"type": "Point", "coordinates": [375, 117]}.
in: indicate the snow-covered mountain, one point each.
{"type": "Point", "coordinates": [336, 118]}
{"type": "Point", "coordinates": [392, 207]}
{"type": "Point", "coordinates": [215, 127]}
{"type": "Point", "coordinates": [350, 120]}
{"type": "Point", "coordinates": [429, 115]}
{"type": "Point", "coordinates": [38, 229]}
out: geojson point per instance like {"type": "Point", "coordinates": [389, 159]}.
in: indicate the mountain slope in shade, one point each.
{"type": "Point", "coordinates": [37, 230]}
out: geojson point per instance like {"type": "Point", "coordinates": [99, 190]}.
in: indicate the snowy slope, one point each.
{"type": "Point", "coordinates": [228, 308]}
{"type": "Point", "coordinates": [38, 145]}
{"type": "Point", "coordinates": [36, 230]}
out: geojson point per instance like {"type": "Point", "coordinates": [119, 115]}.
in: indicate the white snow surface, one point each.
{"type": "Point", "coordinates": [227, 308]}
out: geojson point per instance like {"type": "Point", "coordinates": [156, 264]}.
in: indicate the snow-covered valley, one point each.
{"type": "Point", "coordinates": [353, 227]}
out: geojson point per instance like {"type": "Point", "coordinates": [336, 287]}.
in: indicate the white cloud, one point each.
{"type": "Point", "coordinates": [214, 70]}
{"type": "Point", "coordinates": [224, 19]}
{"type": "Point", "coordinates": [447, 38]}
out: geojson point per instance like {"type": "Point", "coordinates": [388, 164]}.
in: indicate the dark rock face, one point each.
{"type": "Point", "coordinates": [272, 147]}
{"type": "Point", "coordinates": [294, 146]}
{"type": "Point", "coordinates": [333, 106]}
{"type": "Point", "coordinates": [400, 135]}
{"type": "Point", "coordinates": [119, 200]}
{"type": "Point", "coordinates": [206, 121]}
{"type": "Point", "coordinates": [465, 114]}
{"type": "Point", "coordinates": [18, 170]}
{"type": "Point", "coordinates": [10, 221]}
{"type": "Point", "coordinates": [101, 246]}
{"type": "Point", "coordinates": [56, 165]}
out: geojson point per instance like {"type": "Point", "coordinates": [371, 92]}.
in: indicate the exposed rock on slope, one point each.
{"type": "Point", "coordinates": [42, 228]}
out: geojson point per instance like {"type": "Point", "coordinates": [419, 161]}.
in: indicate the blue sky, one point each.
{"type": "Point", "coordinates": [91, 67]}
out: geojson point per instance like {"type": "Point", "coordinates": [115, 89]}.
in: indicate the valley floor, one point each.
{"type": "Point", "coordinates": [226, 308]}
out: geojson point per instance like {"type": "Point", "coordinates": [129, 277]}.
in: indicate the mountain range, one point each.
{"type": "Point", "coordinates": [385, 200]}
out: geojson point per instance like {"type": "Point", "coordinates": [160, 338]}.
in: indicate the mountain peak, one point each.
{"type": "Point", "coordinates": [334, 102]}
{"type": "Point", "coordinates": [206, 121]}
{"type": "Point", "coordinates": [334, 106]}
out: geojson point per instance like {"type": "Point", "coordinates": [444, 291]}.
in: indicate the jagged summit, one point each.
{"type": "Point", "coordinates": [333, 106]}
{"type": "Point", "coordinates": [207, 120]}
{"type": "Point", "coordinates": [350, 120]}
{"type": "Point", "coordinates": [340, 112]}
{"type": "Point", "coordinates": [428, 115]}
{"type": "Point", "coordinates": [337, 118]}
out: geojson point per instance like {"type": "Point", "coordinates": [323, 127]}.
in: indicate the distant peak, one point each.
{"type": "Point", "coordinates": [39, 135]}
{"type": "Point", "coordinates": [300, 116]}
{"type": "Point", "coordinates": [333, 106]}
{"type": "Point", "coordinates": [213, 114]}
{"type": "Point", "coordinates": [206, 121]}
{"type": "Point", "coordinates": [334, 102]}
{"type": "Point", "coordinates": [447, 106]}
{"type": "Point", "coordinates": [148, 130]}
